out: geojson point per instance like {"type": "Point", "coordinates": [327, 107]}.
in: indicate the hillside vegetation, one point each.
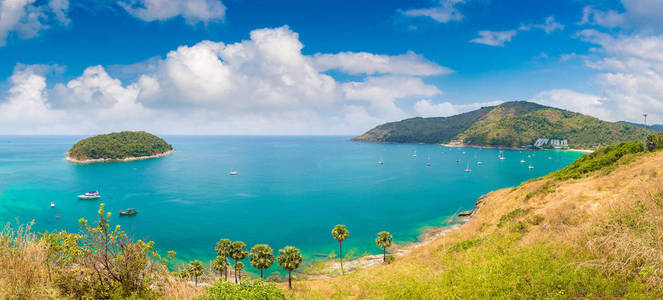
{"type": "Point", "coordinates": [119, 145]}
{"type": "Point", "coordinates": [592, 230]}
{"type": "Point", "coordinates": [511, 124]}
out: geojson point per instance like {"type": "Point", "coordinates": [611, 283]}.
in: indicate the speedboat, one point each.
{"type": "Point", "coordinates": [233, 173]}
{"type": "Point", "coordinates": [128, 212]}
{"type": "Point", "coordinates": [380, 162]}
{"type": "Point", "coordinates": [90, 195]}
{"type": "Point", "coordinates": [52, 204]}
{"type": "Point", "coordinates": [479, 163]}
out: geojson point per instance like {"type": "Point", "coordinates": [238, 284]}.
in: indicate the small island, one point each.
{"type": "Point", "coordinates": [119, 146]}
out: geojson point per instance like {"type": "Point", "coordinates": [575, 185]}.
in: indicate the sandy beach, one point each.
{"type": "Point", "coordinates": [98, 160]}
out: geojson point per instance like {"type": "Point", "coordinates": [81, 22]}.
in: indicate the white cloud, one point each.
{"type": "Point", "coordinates": [494, 38]}
{"type": "Point", "coordinates": [643, 15]}
{"type": "Point", "coordinates": [609, 18]}
{"type": "Point", "coordinates": [548, 26]}
{"type": "Point", "coordinates": [409, 63]}
{"type": "Point", "coordinates": [426, 108]}
{"type": "Point", "coordinates": [587, 104]}
{"type": "Point", "coordinates": [193, 11]}
{"type": "Point", "coordinates": [263, 85]}
{"type": "Point", "coordinates": [444, 12]}
{"type": "Point", "coordinates": [28, 17]}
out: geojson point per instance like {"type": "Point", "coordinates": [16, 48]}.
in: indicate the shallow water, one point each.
{"type": "Point", "coordinates": [289, 191]}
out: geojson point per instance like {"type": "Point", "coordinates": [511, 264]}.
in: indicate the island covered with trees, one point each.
{"type": "Point", "coordinates": [119, 146]}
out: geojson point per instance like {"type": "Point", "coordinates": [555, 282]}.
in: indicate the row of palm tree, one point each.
{"type": "Point", "coordinates": [262, 257]}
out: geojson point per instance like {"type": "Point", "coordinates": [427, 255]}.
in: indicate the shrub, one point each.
{"type": "Point", "coordinates": [255, 289]}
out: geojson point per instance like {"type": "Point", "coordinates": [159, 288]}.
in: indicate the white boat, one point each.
{"type": "Point", "coordinates": [233, 173]}
{"type": "Point", "coordinates": [90, 195]}
{"type": "Point", "coordinates": [415, 154]}
{"type": "Point", "coordinates": [479, 163]}
{"type": "Point", "coordinates": [428, 162]}
{"type": "Point", "coordinates": [52, 204]}
{"type": "Point", "coordinates": [380, 162]}
{"type": "Point", "coordinates": [468, 167]}
{"type": "Point", "coordinates": [530, 167]}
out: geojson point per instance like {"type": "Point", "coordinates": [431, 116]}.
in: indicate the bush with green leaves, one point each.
{"type": "Point", "coordinates": [119, 145]}
{"type": "Point", "coordinates": [252, 289]}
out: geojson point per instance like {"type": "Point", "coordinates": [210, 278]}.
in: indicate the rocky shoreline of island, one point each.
{"type": "Point", "coordinates": [126, 159]}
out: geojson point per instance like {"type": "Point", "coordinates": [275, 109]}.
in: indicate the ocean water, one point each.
{"type": "Point", "coordinates": [289, 191]}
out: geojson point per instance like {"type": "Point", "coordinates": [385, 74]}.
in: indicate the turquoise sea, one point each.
{"type": "Point", "coordinates": [289, 191]}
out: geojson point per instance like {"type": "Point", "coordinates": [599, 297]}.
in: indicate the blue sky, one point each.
{"type": "Point", "coordinates": [317, 67]}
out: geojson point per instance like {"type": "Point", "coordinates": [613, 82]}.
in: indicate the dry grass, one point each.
{"type": "Point", "coordinates": [22, 265]}
{"type": "Point", "coordinates": [606, 231]}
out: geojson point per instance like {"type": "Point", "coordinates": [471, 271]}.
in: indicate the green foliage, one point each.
{"type": "Point", "coordinates": [237, 252]}
{"type": "Point", "coordinates": [597, 160]}
{"type": "Point", "coordinates": [508, 217]}
{"type": "Point", "coordinates": [340, 233]}
{"type": "Point", "coordinates": [289, 259]}
{"type": "Point", "coordinates": [195, 270]}
{"type": "Point", "coordinates": [389, 259]}
{"type": "Point", "coordinates": [220, 264]}
{"type": "Point", "coordinates": [239, 267]}
{"type": "Point", "coordinates": [250, 290]}
{"type": "Point", "coordinates": [261, 257]}
{"type": "Point", "coordinates": [384, 241]}
{"type": "Point", "coordinates": [511, 124]}
{"type": "Point", "coordinates": [119, 145]}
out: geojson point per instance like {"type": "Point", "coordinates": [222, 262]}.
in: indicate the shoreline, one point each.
{"type": "Point", "coordinates": [514, 148]}
{"type": "Point", "coordinates": [428, 235]}
{"type": "Point", "coordinates": [99, 160]}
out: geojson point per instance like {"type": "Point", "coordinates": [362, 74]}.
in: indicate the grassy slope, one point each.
{"type": "Point", "coordinates": [600, 236]}
{"type": "Point", "coordinates": [510, 124]}
{"type": "Point", "coordinates": [119, 145]}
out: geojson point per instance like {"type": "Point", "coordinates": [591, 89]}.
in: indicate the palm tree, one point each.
{"type": "Point", "coordinates": [289, 259]}
{"type": "Point", "coordinates": [262, 257]}
{"type": "Point", "coordinates": [237, 252]}
{"type": "Point", "coordinates": [223, 250]}
{"type": "Point", "coordinates": [239, 266]}
{"type": "Point", "coordinates": [195, 269]}
{"type": "Point", "coordinates": [340, 234]}
{"type": "Point", "coordinates": [220, 264]}
{"type": "Point", "coordinates": [384, 241]}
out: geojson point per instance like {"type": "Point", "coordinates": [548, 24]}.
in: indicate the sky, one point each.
{"type": "Point", "coordinates": [245, 67]}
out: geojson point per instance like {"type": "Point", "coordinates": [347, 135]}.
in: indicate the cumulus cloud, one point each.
{"type": "Point", "coordinates": [409, 63]}
{"type": "Point", "coordinates": [263, 85]}
{"type": "Point", "coordinates": [27, 18]}
{"type": "Point", "coordinates": [644, 15]}
{"type": "Point", "coordinates": [587, 104]}
{"type": "Point", "coordinates": [494, 38]}
{"type": "Point", "coordinates": [193, 11]}
{"type": "Point", "coordinates": [445, 11]}
{"type": "Point", "coordinates": [426, 108]}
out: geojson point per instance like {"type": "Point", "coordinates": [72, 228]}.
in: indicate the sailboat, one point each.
{"type": "Point", "coordinates": [428, 162]}
{"type": "Point", "coordinates": [415, 153]}
{"type": "Point", "coordinates": [530, 166]}
{"type": "Point", "coordinates": [501, 155]}
{"type": "Point", "coordinates": [380, 162]}
{"type": "Point", "coordinates": [52, 204]}
{"type": "Point", "coordinates": [468, 167]}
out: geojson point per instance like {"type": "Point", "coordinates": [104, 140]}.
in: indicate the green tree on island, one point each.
{"type": "Point", "coordinates": [340, 234]}
{"type": "Point", "coordinates": [384, 241]}
{"type": "Point", "coordinates": [237, 252]}
{"type": "Point", "coordinates": [239, 266]}
{"type": "Point", "coordinates": [195, 269]}
{"type": "Point", "coordinates": [223, 250]}
{"type": "Point", "coordinates": [261, 257]}
{"type": "Point", "coordinates": [220, 264]}
{"type": "Point", "coordinates": [289, 259]}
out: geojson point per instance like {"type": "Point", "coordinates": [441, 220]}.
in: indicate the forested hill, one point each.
{"type": "Point", "coordinates": [119, 145]}
{"type": "Point", "coordinates": [510, 124]}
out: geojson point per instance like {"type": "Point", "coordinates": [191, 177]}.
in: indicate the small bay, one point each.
{"type": "Point", "coordinates": [288, 191]}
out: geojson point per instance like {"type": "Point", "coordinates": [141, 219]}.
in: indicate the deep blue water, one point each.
{"type": "Point", "coordinates": [289, 191]}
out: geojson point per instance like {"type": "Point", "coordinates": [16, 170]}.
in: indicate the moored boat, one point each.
{"type": "Point", "coordinates": [128, 212]}
{"type": "Point", "coordinates": [90, 195]}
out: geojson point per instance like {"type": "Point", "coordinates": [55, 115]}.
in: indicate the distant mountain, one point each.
{"type": "Point", "coordinates": [657, 127]}
{"type": "Point", "coordinates": [510, 124]}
